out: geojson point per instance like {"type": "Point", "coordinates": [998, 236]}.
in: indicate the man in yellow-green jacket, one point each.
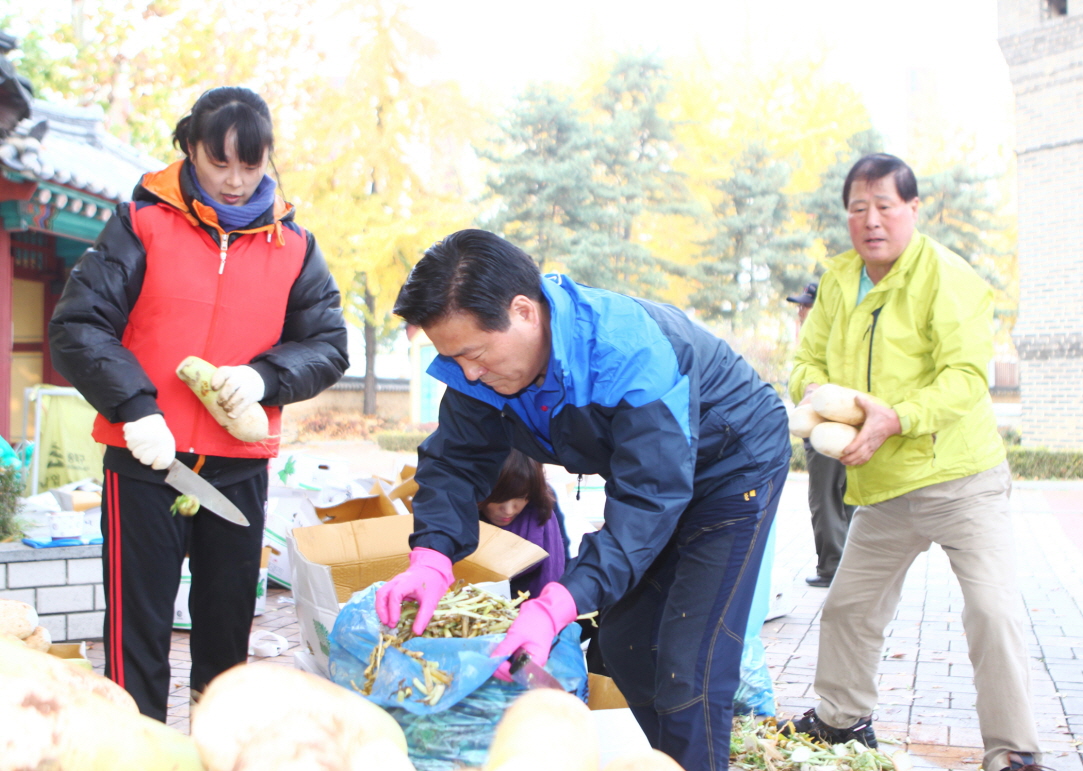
{"type": "Point", "coordinates": [904, 319]}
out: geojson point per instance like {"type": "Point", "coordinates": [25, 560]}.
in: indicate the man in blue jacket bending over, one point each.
{"type": "Point", "coordinates": [692, 444]}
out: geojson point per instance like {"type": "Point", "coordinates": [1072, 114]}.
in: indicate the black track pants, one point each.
{"type": "Point", "coordinates": [142, 555]}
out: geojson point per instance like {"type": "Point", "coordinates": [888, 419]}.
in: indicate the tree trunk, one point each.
{"type": "Point", "coordinates": [370, 353]}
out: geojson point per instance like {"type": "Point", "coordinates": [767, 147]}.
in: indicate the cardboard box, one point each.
{"type": "Point", "coordinates": [331, 562]}
{"type": "Point", "coordinates": [78, 496]}
{"type": "Point", "coordinates": [73, 653]}
{"type": "Point", "coordinates": [405, 492]}
{"type": "Point", "coordinates": [602, 693]}
{"type": "Point", "coordinates": [375, 504]}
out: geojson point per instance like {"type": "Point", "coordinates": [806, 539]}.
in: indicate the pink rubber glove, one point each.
{"type": "Point", "coordinates": [426, 580]}
{"type": "Point", "coordinates": [538, 623]}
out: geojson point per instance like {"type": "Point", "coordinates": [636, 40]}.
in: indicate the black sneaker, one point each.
{"type": "Point", "coordinates": [818, 580]}
{"type": "Point", "coordinates": [810, 724]}
{"type": "Point", "coordinates": [1023, 761]}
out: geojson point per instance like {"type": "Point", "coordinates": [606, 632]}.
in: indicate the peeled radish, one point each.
{"type": "Point", "coordinates": [839, 404]}
{"type": "Point", "coordinates": [329, 727]}
{"type": "Point", "coordinates": [17, 618]}
{"type": "Point", "coordinates": [39, 640]}
{"type": "Point", "coordinates": [643, 760]}
{"type": "Point", "coordinates": [250, 426]}
{"type": "Point", "coordinates": [525, 737]}
{"type": "Point", "coordinates": [831, 439]}
{"type": "Point", "coordinates": [803, 418]}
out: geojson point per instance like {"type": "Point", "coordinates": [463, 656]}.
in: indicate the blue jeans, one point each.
{"type": "Point", "coordinates": [673, 643]}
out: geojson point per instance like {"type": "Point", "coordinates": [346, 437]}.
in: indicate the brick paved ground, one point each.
{"type": "Point", "coordinates": [927, 697]}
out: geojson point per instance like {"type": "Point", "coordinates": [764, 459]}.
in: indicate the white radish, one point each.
{"type": "Point", "coordinates": [831, 439]}
{"type": "Point", "coordinates": [524, 739]}
{"type": "Point", "coordinates": [39, 640]}
{"type": "Point", "coordinates": [839, 404]}
{"type": "Point", "coordinates": [250, 426]}
{"type": "Point", "coordinates": [17, 618]}
{"type": "Point", "coordinates": [803, 418]}
{"type": "Point", "coordinates": [328, 727]}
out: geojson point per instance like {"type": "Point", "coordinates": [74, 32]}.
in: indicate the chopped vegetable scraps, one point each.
{"type": "Point", "coordinates": [465, 611]}
{"type": "Point", "coordinates": [185, 505]}
{"type": "Point", "coordinates": [761, 745]}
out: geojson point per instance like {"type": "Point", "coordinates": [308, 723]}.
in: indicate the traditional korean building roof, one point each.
{"type": "Point", "coordinates": [65, 173]}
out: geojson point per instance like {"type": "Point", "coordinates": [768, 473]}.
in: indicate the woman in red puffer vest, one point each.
{"type": "Point", "coordinates": [206, 261]}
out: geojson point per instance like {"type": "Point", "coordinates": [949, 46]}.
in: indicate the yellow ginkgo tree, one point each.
{"type": "Point", "coordinates": [373, 167]}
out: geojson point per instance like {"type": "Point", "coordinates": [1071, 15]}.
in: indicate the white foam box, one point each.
{"type": "Point", "coordinates": [287, 508]}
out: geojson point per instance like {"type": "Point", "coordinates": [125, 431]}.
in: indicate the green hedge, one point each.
{"type": "Point", "coordinates": [797, 458]}
{"type": "Point", "coordinates": [1039, 463]}
{"type": "Point", "coordinates": [400, 441]}
{"type": "Point", "coordinates": [11, 486]}
{"type": "Point", "coordinates": [1025, 462]}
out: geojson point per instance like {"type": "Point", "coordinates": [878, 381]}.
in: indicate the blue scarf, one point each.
{"type": "Point", "coordinates": [237, 217]}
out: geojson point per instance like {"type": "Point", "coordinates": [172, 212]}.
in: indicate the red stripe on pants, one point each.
{"type": "Point", "coordinates": [116, 591]}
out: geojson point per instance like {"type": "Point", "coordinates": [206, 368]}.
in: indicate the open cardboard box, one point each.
{"type": "Point", "coordinates": [602, 693]}
{"type": "Point", "coordinates": [74, 653]}
{"type": "Point", "coordinates": [290, 508]}
{"type": "Point", "coordinates": [331, 562]}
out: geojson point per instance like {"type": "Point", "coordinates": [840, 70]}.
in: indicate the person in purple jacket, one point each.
{"type": "Point", "coordinates": [522, 503]}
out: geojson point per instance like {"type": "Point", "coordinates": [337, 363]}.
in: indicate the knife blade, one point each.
{"type": "Point", "coordinates": [184, 480]}
{"type": "Point", "coordinates": [526, 673]}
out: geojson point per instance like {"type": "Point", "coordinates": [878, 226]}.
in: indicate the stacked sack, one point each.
{"type": "Point", "coordinates": [830, 419]}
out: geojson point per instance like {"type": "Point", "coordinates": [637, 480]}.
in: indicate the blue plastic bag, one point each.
{"type": "Point", "coordinates": [459, 728]}
{"type": "Point", "coordinates": [8, 456]}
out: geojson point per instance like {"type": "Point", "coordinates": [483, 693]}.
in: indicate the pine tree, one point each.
{"type": "Point", "coordinates": [633, 175]}
{"type": "Point", "coordinates": [958, 210]}
{"type": "Point", "coordinates": [827, 215]}
{"type": "Point", "coordinates": [572, 186]}
{"type": "Point", "coordinates": [543, 177]}
{"type": "Point", "coordinates": [754, 257]}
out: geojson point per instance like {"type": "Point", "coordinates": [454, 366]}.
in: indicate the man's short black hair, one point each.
{"type": "Point", "coordinates": [472, 271]}
{"type": "Point", "coordinates": [877, 166]}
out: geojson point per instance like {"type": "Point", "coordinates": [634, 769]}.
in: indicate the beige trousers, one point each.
{"type": "Point", "coordinates": [970, 519]}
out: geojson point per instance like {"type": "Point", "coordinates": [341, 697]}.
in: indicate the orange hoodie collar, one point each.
{"type": "Point", "coordinates": [166, 185]}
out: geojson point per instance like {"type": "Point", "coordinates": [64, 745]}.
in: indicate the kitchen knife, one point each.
{"type": "Point", "coordinates": [184, 480]}
{"type": "Point", "coordinates": [529, 675]}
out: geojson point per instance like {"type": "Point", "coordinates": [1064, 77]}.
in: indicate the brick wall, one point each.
{"type": "Point", "coordinates": [1045, 59]}
{"type": "Point", "coordinates": [1052, 413]}
{"type": "Point", "coordinates": [64, 584]}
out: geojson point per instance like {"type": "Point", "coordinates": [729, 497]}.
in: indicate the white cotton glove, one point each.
{"type": "Point", "coordinates": [238, 388]}
{"type": "Point", "coordinates": [151, 441]}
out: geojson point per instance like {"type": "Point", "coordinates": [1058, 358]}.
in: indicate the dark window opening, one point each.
{"type": "Point", "coordinates": [1054, 8]}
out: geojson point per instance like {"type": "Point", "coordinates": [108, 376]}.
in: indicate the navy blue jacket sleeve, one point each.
{"type": "Point", "coordinates": [457, 466]}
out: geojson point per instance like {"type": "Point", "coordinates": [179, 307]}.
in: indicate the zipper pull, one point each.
{"type": "Point", "coordinates": [223, 246]}
{"type": "Point", "coordinates": [578, 485]}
